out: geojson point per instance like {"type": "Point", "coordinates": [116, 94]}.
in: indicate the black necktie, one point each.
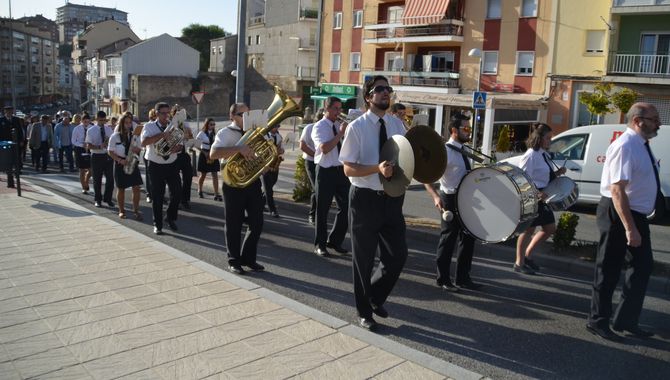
{"type": "Point", "coordinates": [102, 135]}
{"type": "Point", "coordinates": [274, 138]}
{"type": "Point", "coordinates": [653, 164]}
{"type": "Point", "coordinates": [382, 134]}
{"type": "Point", "coordinates": [465, 160]}
{"type": "Point", "coordinates": [339, 142]}
{"type": "Point", "coordinates": [552, 175]}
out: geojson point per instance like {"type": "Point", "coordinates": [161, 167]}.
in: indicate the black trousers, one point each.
{"type": "Point", "coordinates": [67, 151]}
{"type": "Point", "coordinates": [376, 223]}
{"type": "Point", "coordinates": [102, 164]}
{"type": "Point", "coordinates": [453, 239]}
{"type": "Point", "coordinates": [613, 254]}
{"type": "Point", "coordinates": [147, 177]}
{"type": "Point", "coordinates": [311, 175]}
{"type": "Point", "coordinates": [331, 182]}
{"type": "Point", "coordinates": [160, 175]}
{"type": "Point", "coordinates": [186, 169]}
{"type": "Point", "coordinates": [237, 201]}
{"type": "Point", "coordinates": [41, 153]}
{"type": "Point", "coordinates": [269, 179]}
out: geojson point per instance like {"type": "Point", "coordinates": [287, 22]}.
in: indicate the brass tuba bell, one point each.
{"type": "Point", "coordinates": [240, 172]}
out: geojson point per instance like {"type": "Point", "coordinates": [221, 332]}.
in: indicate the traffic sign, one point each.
{"type": "Point", "coordinates": [197, 97]}
{"type": "Point", "coordinates": [479, 100]}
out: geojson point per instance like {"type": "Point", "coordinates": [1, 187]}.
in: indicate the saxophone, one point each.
{"type": "Point", "coordinates": [240, 172]}
{"type": "Point", "coordinates": [175, 128]}
{"type": "Point", "coordinates": [132, 159]}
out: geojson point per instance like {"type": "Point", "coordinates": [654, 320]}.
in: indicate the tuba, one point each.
{"type": "Point", "coordinates": [240, 172]}
{"type": "Point", "coordinates": [175, 128]}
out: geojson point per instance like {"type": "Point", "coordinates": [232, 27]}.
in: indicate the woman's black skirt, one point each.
{"type": "Point", "coordinates": [204, 166]}
{"type": "Point", "coordinates": [545, 215]}
{"type": "Point", "coordinates": [82, 158]}
{"type": "Point", "coordinates": [123, 180]}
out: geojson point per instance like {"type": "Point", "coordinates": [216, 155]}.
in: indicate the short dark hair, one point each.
{"type": "Point", "coordinates": [160, 105]}
{"type": "Point", "coordinates": [101, 115]}
{"type": "Point", "coordinates": [456, 120]}
{"type": "Point", "coordinates": [235, 106]}
{"type": "Point", "coordinates": [397, 107]}
{"type": "Point", "coordinates": [537, 133]}
{"type": "Point", "coordinates": [85, 115]}
{"type": "Point", "coordinates": [369, 85]}
{"type": "Point", "coordinates": [331, 100]}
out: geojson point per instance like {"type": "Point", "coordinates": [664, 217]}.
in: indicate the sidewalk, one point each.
{"type": "Point", "coordinates": [82, 297]}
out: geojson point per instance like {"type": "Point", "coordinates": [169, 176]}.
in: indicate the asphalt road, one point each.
{"type": "Point", "coordinates": [517, 327]}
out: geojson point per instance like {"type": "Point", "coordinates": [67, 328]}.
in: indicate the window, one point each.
{"type": "Point", "coordinates": [355, 62]}
{"type": "Point", "coordinates": [524, 62]}
{"type": "Point", "coordinates": [529, 8]}
{"type": "Point", "coordinates": [358, 18]}
{"type": "Point", "coordinates": [249, 40]}
{"type": "Point", "coordinates": [258, 39]}
{"type": "Point", "coordinates": [213, 50]}
{"type": "Point", "coordinates": [393, 61]}
{"type": "Point", "coordinates": [395, 15]}
{"type": "Point", "coordinates": [335, 62]}
{"type": "Point", "coordinates": [595, 41]}
{"type": "Point", "coordinates": [337, 20]}
{"type": "Point", "coordinates": [493, 9]}
{"type": "Point", "coordinates": [568, 147]}
{"type": "Point", "coordinates": [220, 49]}
{"type": "Point", "coordinates": [490, 62]}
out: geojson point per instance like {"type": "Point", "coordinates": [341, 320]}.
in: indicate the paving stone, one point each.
{"type": "Point", "coordinates": [76, 372]}
{"type": "Point", "coordinates": [135, 292]}
{"type": "Point", "coordinates": [230, 355]}
{"type": "Point", "coordinates": [361, 364]}
{"type": "Point", "coordinates": [46, 297]}
{"type": "Point", "coordinates": [120, 283]}
{"type": "Point", "coordinates": [111, 367]}
{"type": "Point", "coordinates": [15, 317]}
{"type": "Point", "coordinates": [165, 313]}
{"type": "Point", "coordinates": [336, 345]}
{"type": "Point", "coordinates": [149, 302]}
{"type": "Point", "coordinates": [216, 287]}
{"type": "Point", "coordinates": [261, 369]}
{"type": "Point", "coordinates": [32, 345]}
{"type": "Point", "coordinates": [189, 368]}
{"type": "Point", "coordinates": [408, 370]}
{"type": "Point", "coordinates": [272, 342]}
{"type": "Point", "coordinates": [307, 330]}
{"type": "Point", "coordinates": [8, 372]}
{"type": "Point", "coordinates": [281, 317]}
{"type": "Point", "coordinates": [23, 330]}
{"type": "Point", "coordinates": [184, 294]}
{"type": "Point", "coordinates": [224, 314]}
{"type": "Point", "coordinates": [57, 308]}
{"type": "Point", "coordinates": [99, 299]}
{"type": "Point", "coordinates": [45, 362]}
{"type": "Point", "coordinates": [98, 348]}
{"type": "Point", "coordinates": [300, 359]}
{"type": "Point", "coordinates": [65, 321]}
{"type": "Point", "coordinates": [144, 336]}
{"type": "Point", "coordinates": [110, 311]}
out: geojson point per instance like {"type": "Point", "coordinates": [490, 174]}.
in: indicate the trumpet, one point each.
{"type": "Point", "coordinates": [164, 146]}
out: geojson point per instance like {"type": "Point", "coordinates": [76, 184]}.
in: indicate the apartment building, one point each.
{"type": "Point", "coordinates": [223, 54]}
{"type": "Point", "coordinates": [73, 18]}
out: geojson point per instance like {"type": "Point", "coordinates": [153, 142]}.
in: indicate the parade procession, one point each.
{"type": "Point", "coordinates": [354, 149]}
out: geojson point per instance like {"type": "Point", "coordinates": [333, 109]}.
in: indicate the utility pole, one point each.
{"type": "Point", "coordinates": [11, 55]}
{"type": "Point", "coordinates": [241, 50]}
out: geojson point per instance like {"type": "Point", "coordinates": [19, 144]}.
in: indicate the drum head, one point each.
{"type": "Point", "coordinates": [489, 204]}
{"type": "Point", "coordinates": [559, 188]}
{"type": "Point", "coordinates": [430, 156]}
{"type": "Point", "coordinates": [398, 150]}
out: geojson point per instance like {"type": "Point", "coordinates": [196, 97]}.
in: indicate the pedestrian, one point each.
{"type": "Point", "coordinates": [122, 145]}
{"type": "Point", "coordinates": [206, 165]}
{"type": "Point", "coordinates": [629, 186]}
{"type": "Point", "coordinates": [308, 150]}
{"type": "Point", "coordinates": [10, 130]}
{"type": "Point", "coordinates": [270, 177]}
{"type": "Point", "coordinates": [536, 163]}
{"type": "Point", "coordinates": [63, 141]}
{"type": "Point", "coordinates": [184, 165]}
{"type": "Point", "coordinates": [81, 153]}
{"type": "Point", "coordinates": [41, 140]}
{"type": "Point", "coordinates": [453, 237]}
{"type": "Point", "coordinates": [97, 141]}
{"type": "Point", "coordinates": [147, 178]}
{"type": "Point", "coordinates": [377, 221]}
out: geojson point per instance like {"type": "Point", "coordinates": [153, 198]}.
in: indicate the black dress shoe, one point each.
{"type": "Point", "coordinates": [603, 332]}
{"type": "Point", "coordinates": [635, 331]}
{"type": "Point", "coordinates": [256, 267]}
{"type": "Point", "coordinates": [448, 286]}
{"type": "Point", "coordinates": [110, 204]}
{"type": "Point", "coordinates": [97, 204]}
{"type": "Point", "coordinates": [337, 248]}
{"type": "Point", "coordinates": [171, 224]}
{"type": "Point", "coordinates": [368, 323]}
{"type": "Point", "coordinates": [469, 285]}
{"type": "Point", "coordinates": [321, 252]}
{"type": "Point", "coordinates": [379, 310]}
{"type": "Point", "coordinates": [158, 231]}
{"type": "Point", "coordinates": [237, 269]}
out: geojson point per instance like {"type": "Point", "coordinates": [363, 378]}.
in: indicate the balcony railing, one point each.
{"type": "Point", "coordinates": [446, 79]}
{"type": "Point", "coordinates": [639, 3]}
{"type": "Point", "coordinates": [401, 32]}
{"type": "Point", "coordinates": [305, 72]}
{"type": "Point", "coordinates": [639, 64]}
{"type": "Point", "coordinates": [256, 20]}
{"type": "Point", "coordinates": [309, 13]}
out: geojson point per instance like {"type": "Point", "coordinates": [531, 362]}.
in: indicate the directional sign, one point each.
{"type": "Point", "coordinates": [479, 100]}
{"type": "Point", "coordinates": [197, 97]}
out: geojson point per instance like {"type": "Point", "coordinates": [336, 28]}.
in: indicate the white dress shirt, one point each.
{"type": "Point", "coordinates": [228, 136]}
{"type": "Point", "coordinates": [203, 140]}
{"type": "Point", "coordinates": [271, 137]}
{"type": "Point", "coordinates": [455, 170]}
{"type": "Point", "coordinates": [361, 145]}
{"type": "Point", "coordinates": [152, 129]}
{"type": "Point", "coordinates": [322, 132]}
{"type": "Point", "coordinates": [116, 146]}
{"type": "Point", "coordinates": [306, 136]}
{"type": "Point", "coordinates": [79, 136]}
{"type": "Point", "coordinates": [93, 137]}
{"type": "Point", "coordinates": [627, 159]}
{"type": "Point", "coordinates": [534, 164]}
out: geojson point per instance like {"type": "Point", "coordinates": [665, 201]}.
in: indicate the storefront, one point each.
{"type": "Point", "coordinates": [345, 92]}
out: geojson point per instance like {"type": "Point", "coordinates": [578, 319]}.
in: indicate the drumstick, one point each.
{"type": "Point", "coordinates": [447, 215]}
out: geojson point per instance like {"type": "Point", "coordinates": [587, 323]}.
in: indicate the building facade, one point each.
{"type": "Point", "coordinates": [223, 54]}
{"type": "Point", "coordinates": [73, 18]}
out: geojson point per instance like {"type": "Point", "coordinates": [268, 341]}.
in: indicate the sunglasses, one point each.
{"type": "Point", "coordinates": [380, 89]}
{"type": "Point", "coordinates": [240, 114]}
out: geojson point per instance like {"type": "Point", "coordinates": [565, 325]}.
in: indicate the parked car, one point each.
{"type": "Point", "coordinates": [582, 151]}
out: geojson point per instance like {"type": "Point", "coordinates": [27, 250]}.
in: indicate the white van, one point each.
{"type": "Point", "coordinates": [582, 151]}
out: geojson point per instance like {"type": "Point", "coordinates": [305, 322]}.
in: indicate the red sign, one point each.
{"type": "Point", "coordinates": [197, 97]}
{"type": "Point", "coordinates": [502, 87]}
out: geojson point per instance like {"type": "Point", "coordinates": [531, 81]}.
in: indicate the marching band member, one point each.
{"type": "Point", "coordinates": [184, 165]}
{"type": "Point", "coordinates": [147, 178]}
{"type": "Point", "coordinates": [376, 218]}
{"type": "Point", "coordinates": [97, 139]}
{"type": "Point", "coordinates": [452, 235]}
{"type": "Point", "coordinates": [307, 147]}
{"type": "Point", "coordinates": [237, 201]}
{"type": "Point", "coordinates": [206, 165]}
{"type": "Point", "coordinates": [269, 178]}
{"type": "Point", "coordinates": [535, 162]}
{"type": "Point", "coordinates": [162, 169]}
{"type": "Point", "coordinates": [122, 144]}
{"type": "Point", "coordinates": [82, 156]}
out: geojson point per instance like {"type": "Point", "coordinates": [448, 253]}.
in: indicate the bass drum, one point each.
{"type": "Point", "coordinates": [496, 203]}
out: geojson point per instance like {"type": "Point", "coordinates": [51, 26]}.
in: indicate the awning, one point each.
{"type": "Point", "coordinates": [343, 98]}
{"type": "Point", "coordinates": [498, 101]}
{"type": "Point", "coordinates": [424, 12]}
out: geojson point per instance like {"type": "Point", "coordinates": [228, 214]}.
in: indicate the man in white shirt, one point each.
{"type": "Point", "coordinates": [452, 235]}
{"type": "Point", "coordinates": [270, 177]}
{"type": "Point", "coordinates": [307, 147]}
{"type": "Point", "coordinates": [97, 138]}
{"type": "Point", "coordinates": [376, 218]}
{"type": "Point", "coordinates": [162, 169]}
{"type": "Point", "coordinates": [331, 181]}
{"type": "Point", "coordinates": [239, 201]}
{"type": "Point", "coordinates": [629, 187]}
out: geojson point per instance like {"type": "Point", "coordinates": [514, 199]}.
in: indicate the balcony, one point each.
{"type": "Point", "coordinates": [443, 79]}
{"type": "Point", "coordinates": [632, 7]}
{"type": "Point", "coordinates": [305, 72]}
{"type": "Point", "coordinates": [448, 31]}
{"type": "Point", "coordinates": [306, 13]}
{"type": "Point", "coordinates": [257, 20]}
{"type": "Point", "coordinates": [639, 64]}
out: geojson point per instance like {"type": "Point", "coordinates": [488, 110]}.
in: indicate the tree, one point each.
{"type": "Point", "coordinates": [197, 36]}
{"type": "Point", "coordinates": [603, 100]}
{"type": "Point", "coordinates": [623, 100]}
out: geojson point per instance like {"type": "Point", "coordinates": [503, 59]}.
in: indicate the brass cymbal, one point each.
{"type": "Point", "coordinates": [399, 151]}
{"type": "Point", "coordinates": [430, 155]}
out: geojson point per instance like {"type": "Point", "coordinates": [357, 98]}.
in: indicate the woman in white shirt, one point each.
{"type": "Point", "coordinates": [122, 144]}
{"type": "Point", "coordinates": [206, 165]}
{"type": "Point", "coordinates": [536, 163]}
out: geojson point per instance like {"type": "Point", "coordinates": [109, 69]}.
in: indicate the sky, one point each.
{"type": "Point", "coordinates": [143, 18]}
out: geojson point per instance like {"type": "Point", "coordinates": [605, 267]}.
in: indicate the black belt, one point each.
{"type": "Point", "coordinates": [380, 193]}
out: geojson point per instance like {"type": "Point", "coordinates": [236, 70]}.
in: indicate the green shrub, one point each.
{"type": "Point", "coordinates": [302, 189]}
{"type": "Point", "coordinates": [504, 145]}
{"type": "Point", "coordinates": [565, 230]}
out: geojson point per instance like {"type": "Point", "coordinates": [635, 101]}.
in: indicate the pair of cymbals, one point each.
{"type": "Point", "coordinates": [420, 154]}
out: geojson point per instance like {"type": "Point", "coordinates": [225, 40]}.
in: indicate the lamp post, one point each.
{"type": "Point", "coordinates": [476, 53]}
{"type": "Point", "coordinates": [241, 50]}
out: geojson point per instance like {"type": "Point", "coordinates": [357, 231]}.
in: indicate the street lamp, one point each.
{"type": "Point", "coordinates": [476, 53]}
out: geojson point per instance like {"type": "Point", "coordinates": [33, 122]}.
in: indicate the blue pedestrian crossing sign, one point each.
{"type": "Point", "coordinates": [479, 100]}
